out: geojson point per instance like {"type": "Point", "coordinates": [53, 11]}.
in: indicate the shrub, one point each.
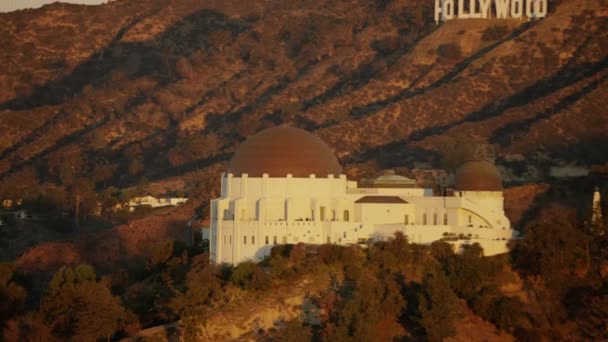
{"type": "Point", "coordinates": [249, 276]}
{"type": "Point", "coordinates": [494, 32]}
{"type": "Point", "coordinates": [449, 51]}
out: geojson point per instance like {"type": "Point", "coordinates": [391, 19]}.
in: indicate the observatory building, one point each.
{"type": "Point", "coordinates": [285, 186]}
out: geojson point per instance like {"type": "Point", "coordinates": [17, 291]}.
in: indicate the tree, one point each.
{"type": "Point", "coordinates": [454, 151]}
{"type": "Point", "coordinates": [555, 249]}
{"type": "Point", "coordinates": [80, 308]}
{"type": "Point", "coordinates": [30, 327]}
{"type": "Point", "coordinates": [203, 288]}
{"type": "Point", "coordinates": [12, 295]}
{"type": "Point", "coordinates": [103, 171]}
{"type": "Point", "coordinates": [249, 276]}
{"type": "Point", "coordinates": [438, 306]}
{"type": "Point", "coordinates": [136, 166]}
{"type": "Point", "coordinates": [84, 198]}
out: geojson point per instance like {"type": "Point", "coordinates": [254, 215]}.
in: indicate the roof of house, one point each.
{"type": "Point", "coordinates": [381, 199]}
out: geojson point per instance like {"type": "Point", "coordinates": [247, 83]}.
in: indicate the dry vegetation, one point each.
{"type": "Point", "coordinates": [103, 103]}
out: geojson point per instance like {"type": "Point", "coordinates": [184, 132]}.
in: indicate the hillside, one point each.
{"type": "Point", "coordinates": [165, 90]}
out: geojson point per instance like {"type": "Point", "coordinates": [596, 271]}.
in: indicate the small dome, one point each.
{"type": "Point", "coordinates": [281, 150]}
{"type": "Point", "coordinates": [478, 175]}
{"type": "Point", "coordinates": [391, 176]}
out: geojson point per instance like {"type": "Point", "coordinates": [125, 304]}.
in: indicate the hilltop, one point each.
{"type": "Point", "coordinates": [165, 90]}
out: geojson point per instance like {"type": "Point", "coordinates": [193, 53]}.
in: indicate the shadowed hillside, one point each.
{"type": "Point", "coordinates": [163, 91]}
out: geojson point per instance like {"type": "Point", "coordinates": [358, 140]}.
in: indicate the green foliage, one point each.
{"type": "Point", "coordinates": [68, 277]}
{"type": "Point", "coordinates": [80, 308]}
{"type": "Point", "coordinates": [438, 306]}
{"type": "Point", "coordinates": [203, 289]}
{"type": "Point", "coordinates": [393, 255]}
{"type": "Point", "coordinates": [555, 251]}
{"type": "Point", "coordinates": [507, 314]}
{"type": "Point", "coordinates": [249, 275]}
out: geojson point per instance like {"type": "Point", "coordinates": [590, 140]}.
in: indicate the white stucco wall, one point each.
{"type": "Point", "coordinates": [254, 212]}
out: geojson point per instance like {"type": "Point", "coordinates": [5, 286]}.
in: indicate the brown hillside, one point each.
{"type": "Point", "coordinates": [167, 89]}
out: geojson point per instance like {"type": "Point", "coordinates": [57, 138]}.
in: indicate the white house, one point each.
{"type": "Point", "coordinates": [284, 185]}
{"type": "Point", "coordinates": [155, 202]}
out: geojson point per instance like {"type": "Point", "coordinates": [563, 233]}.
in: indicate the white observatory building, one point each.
{"type": "Point", "coordinates": [285, 186]}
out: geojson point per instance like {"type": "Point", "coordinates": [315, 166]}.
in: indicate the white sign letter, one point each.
{"type": "Point", "coordinates": [448, 9]}
{"type": "Point", "coordinates": [437, 11]}
{"type": "Point", "coordinates": [516, 8]}
{"type": "Point", "coordinates": [461, 13]}
{"type": "Point", "coordinates": [540, 7]}
{"type": "Point", "coordinates": [484, 7]}
{"type": "Point", "coordinates": [502, 8]}
{"type": "Point", "coordinates": [472, 12]}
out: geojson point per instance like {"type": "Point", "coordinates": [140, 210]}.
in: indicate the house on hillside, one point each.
{"type": "Point", "coordinates": [155, 202]}
{"type": "Point", "coordinates": [10, 203]}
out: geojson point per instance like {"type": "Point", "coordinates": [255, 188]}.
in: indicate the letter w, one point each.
{"type": "Point", "coordinates": [502, 8]}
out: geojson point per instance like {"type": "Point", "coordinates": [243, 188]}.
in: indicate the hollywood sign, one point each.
{"type": "Point", "coordinates": [503, 9]}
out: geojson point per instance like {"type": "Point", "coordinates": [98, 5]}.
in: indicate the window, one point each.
{"type": "Point", "coordinates": [253, 240]}
{"type": "Point", "coordinates": [346, 216]}
{"type": "Point", "coordinates": [328, 239]}
{"type": "Point", "coordinates": [322, 213]}
{"type": "Point", "coordinates": [284, 239]}
{"type": "Point", "coordinates": [435, 219]}
{"type": "Point", "coordinates": [345, 235]}
{"type": "Point", "coordinates": [470, 219]}
{"type": "Point", "coordinates": [224, 239]}
{"type": "Point", "coordinates": [445, 219]}
{"type": "Point", "coordinates": [230, 238]}
{"type": "Point", "coordinates": [407, 219]}
{"type": "Point", "coordinates": [244, 240]}
{"type": "Point", "coordinates": [274, 239]}
{"type": "Point", "coordinates": [266, 239]}
{"type": "Point", "coordinates": [424, 218]}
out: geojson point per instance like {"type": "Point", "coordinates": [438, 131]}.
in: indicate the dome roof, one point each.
{"type": "Point", "coordinates": [478, 175]}
{"type": "Point", "coordinates": [281, 150]}
{"type": "Point", "coordinates": [391, 176]}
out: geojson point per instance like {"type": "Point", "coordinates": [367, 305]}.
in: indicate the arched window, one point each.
{"type": "Point", "coordinates": [346, 215]}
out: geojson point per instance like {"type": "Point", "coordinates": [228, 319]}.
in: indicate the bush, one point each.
{"type": "Point", "coordinates": [494, 32]}
{"type": "Point", "coordinates": [249, 275]}
{"type": "Point", "coordinates": [449, 51]}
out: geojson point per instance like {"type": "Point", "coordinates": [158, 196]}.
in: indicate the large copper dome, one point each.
{"type": "Point", "coordinates": [281, 150]}
{"type": "Point", "coordinates": [478, 175]}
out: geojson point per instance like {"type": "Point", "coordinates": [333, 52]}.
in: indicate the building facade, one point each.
{"type": "Point", "coordinates": [285, 186]}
